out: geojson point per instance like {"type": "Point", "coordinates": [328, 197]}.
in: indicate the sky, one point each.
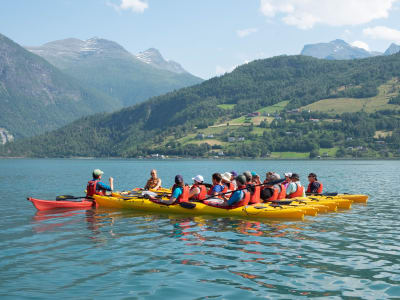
{"type": "Point", "coordinates": [207, 37]}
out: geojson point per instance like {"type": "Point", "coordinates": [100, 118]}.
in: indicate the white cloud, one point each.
{"type": "Point", "coordinates": [219, 70]}
{"type": "Point", "coordinates": [245, 32]}
{"type": "Point", "coordinates": [305, 14]}
{"type": "Point", "coordinates": [360, 44]}
{"type": "Point", "coordinates": [137, 6]}
{"type": "Point", "coordinates": [383, 33]}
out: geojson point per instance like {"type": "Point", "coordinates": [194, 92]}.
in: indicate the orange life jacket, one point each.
{"type": "Point", "coordinates": [298, 192]}
{"type": "Point", "coordinates": [282, 194]}
{"type": "Point", "coordinates": [225, 190]}
{"type": "Point", "coordinates": [231, 186]}
{"type": "Point", "coordinates": [203, 192]}
{"type": "Point", "coordinates": [184, 197]}
{"type": "Point", "coordinates": [91, 188]}
{"type": "Point", "coordinates": [255, 197]}
{"type": "Point", "coordinates": [319, 191]}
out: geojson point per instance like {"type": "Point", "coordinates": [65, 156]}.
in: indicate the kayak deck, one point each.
{"type": "Point", "coordinates": [53, 204]}
{"type": "Point", "coordinates": [250, 211]}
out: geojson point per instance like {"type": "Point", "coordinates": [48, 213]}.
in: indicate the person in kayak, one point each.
{"type": "Point", "coordinates": [154, 182]}
{"type": "Point", "coordinates": [295, 189]}
{"type": "Point", "coordinates": [96, 187]}
{"type": "Point", "coordinates": [287, 179]}
{"type": "Point", "coordinates": [238, 198]}
{"type": "Point", "coordinates": [255, 178]}
{"type": "Point", "coordinates": [217, 187]}
{"type": "Point", "coordinates": [233, 180]}
{"type": "Point", "coordinates": [180, 192]}
{"type": "Point", "coordinates": [198, 191]}
{"type": "Point", "coordinates": [273, 192]}
{"type": "Point", "coordinates": [314, 186]}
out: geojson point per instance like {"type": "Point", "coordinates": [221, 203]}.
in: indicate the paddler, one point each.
{"type": "Point", "coordinates": [180, 192]}
{"type": "Point", "coordinates": [198, 191]}
{"type": "Point", "coordinates": [314, 186]}
{"type": "Point", "coordinates": [217, 187]}
{"type": "Point", "coordinates": [236, 198]}
{"type": "Point", "coordinates": [154, 182]}
{"type": "Point", "coordinates": [295, 189]}
{"type": "Point", "coordinates": [96, 187]}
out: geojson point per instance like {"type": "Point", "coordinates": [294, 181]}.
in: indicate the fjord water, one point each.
{"type": "Point", "coordinates": [113, 254]}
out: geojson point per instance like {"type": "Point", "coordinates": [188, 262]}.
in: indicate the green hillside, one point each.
{"type": "Point", "coordinates": [253, 111]}
{"type": "Point", "coordinates": [36, 97]}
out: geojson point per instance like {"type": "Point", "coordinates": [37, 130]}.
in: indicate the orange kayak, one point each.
{"type": "Point", "coordinates": [53, 204]}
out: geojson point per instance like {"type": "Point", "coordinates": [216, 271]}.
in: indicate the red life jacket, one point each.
{"type": "Point", "coordinates": [91, 188]}
{"type": "Point", "coordinates": [275, 194]}
{"type": "Point", "coordinates": [282, 194]}
{"type": "Point", "coordinates": [298, 192]}
{"type": "Point", "coordinates": [255, 197]}
{"type": "Point", "coordinates": [203, 192]}
{"type": "Point", "coordinates": [231, 186]}
{"type": "Point", "coordinates": [184, 197]}
{"type": "Point", "coordinates": [225, 190]}
{"type": "Point", "coordinates": [245, 201]}
{"type": "Point", "coordinates": [319, 191]}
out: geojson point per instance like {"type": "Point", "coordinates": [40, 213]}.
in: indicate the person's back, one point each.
{"type": "Point", "coordinates": [217, 187]}
{"type": "Point", "coordinates": [96, 187]}
{"type": "Point", "coordinates": [295, 189]}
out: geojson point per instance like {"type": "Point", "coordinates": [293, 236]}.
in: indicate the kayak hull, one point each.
{"type": "Point", "coordinates": [354, 198]}
{"type": "Point", "coordinates": [51, 204]}
{"type": "Point", "coordinates": [250, 212]}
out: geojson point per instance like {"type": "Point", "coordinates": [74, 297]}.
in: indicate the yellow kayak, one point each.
{"type": "Point", "coordinates": [250, 211]}
{"type": "Point", "coordinates": [355, 198]}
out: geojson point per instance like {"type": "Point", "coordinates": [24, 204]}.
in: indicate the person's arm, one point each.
{"type": "Point", "coordinates": [194, 192]}
{"type": "Point", "coordinates": [177, 192]}
{"type": "Point", "coordinates": [104, 187]}
{"type": "Point", "coordinates": [158, 184]}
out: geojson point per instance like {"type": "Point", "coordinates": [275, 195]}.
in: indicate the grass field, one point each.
{"type": "Point", "coordinates": [278, 107]}
{"type": "Point", "coordinates": [226, 106]}
{"type": "Point", "coordinates": [369, 105]}
{"type": "Point", "coordinates": [289, 155]}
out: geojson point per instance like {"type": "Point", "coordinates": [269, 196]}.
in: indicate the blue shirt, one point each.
{"type": "Point", "coordinates": [235, 197]}
{"type": "Point", "coordinates": [217, 189]}
{"type": "Point", "coordinates": [177, 192]}
{"type": "Point", "coordinates": [100, 186]}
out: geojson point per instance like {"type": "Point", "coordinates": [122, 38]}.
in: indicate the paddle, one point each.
{"type": "Point", "coordinates": [323, 194]}
{"type": "Point", "coordinates": [230, 192]}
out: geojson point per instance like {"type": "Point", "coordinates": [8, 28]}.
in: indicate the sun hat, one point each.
{"type": "Point", "coordinates": [97, 172]}
{"type": "Point", "coordinates": [198, 178]}
{"type": "Point", "coordinates": [178, 179]}
{"type": "Point", "coordinates": [226, 177]}
{"type": "Point", "coordinates": [247, 174]}
{"type": "Point", "coordinates": [275, 176]}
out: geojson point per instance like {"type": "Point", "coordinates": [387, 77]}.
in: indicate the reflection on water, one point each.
{"type": "Point", "coordinates": [101, 253]}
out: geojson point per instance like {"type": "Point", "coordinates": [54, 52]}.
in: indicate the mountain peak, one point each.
{"type": "Point", "coordinates": [154, 58]}
{"type": "Point", "coordinates": [393, 48]}
{"type": "Point", "coordinates": [336, 49]}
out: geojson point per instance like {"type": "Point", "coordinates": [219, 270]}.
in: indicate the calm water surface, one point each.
{"type": "Point", "coordinates": [353, 254]}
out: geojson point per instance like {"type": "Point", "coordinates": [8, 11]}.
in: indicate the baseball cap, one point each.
{"type": "Point", "coordinates": [198, 178]}
{"type": "Point", "coordinates": [178, 179]}
{"type": "Point", "coordinates": [234, 173]}
{"type": "Point", "coordinates": [288, 174]}
{"type": "Point", "coordinates": [295, 176]}
{"type": "Point", "coordinates": [97, 172]}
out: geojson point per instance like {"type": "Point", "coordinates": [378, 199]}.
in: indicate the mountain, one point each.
{"type": "Point", "coordinates": [36, 97]}
{"type": "Point", "coordinates": [393, 48]}
{"type": "Point", "coordinates": [337, 49]}
{"type": "Point", "coordinates": [243, 105]}
{"type": "Point", "coordinates": [154, 58]}
{"type": "Point", "coordinates": [109, 68]}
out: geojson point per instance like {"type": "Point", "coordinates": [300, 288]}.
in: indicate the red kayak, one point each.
{"type": "Point", "coordinates": [52, 204]}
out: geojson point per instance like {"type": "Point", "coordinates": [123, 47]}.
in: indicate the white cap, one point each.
{"type": "Point", "coordinates": [288, 174]}
{"type": "Point", "coordinates": [226, 176]}
{"type": "Point", "coordinates": [198, 178]}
